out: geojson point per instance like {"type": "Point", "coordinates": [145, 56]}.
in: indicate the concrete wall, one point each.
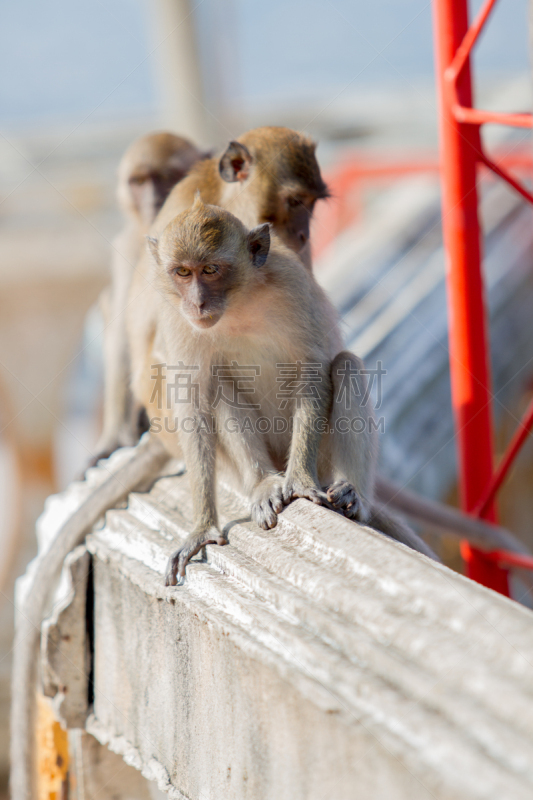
{"type": "Point", "coordinates": [316, 660]}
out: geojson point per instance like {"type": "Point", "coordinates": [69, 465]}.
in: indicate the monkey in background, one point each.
{"type": "Point", "coordinates": [149, 169]}
{"type": "Point", "coordinates": [269, 174]}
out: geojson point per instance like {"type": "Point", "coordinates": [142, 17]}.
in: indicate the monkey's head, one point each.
{"type": "Point", "coordinates": [206, 257]}
{"type": "Point", "coordinates": [280, 166]}
{"type": "Point", "coordinates": [149, 169]}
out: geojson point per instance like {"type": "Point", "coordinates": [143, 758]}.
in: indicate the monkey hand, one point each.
{"type": "Point", "coordinates": [175, 574]}
{"type": "Point", "coordinates": [267, 501]}
{"type": "Point", "coordinates": [344, 498]}
{"type": "Point", "coordinates": [305, 486]}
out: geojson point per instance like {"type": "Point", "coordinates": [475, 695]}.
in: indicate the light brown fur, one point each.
{"type": "Point", "coordinates": [150, 167]}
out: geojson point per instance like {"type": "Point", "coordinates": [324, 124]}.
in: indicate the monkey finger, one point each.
{"type": "Point", "coordinates": [276, 500]}
{"type": "Point", "coordinates": [172, 570]}
{"type": "Point", "coordinates": [294, 490]}
{"type": "Point", "coordinates": [264, 515]}
{"type": "Point", "coordinates": [340, 490]}
{"type": "Point", "coordinates": [344, 498]}
{"type": "Point", "coordinates": [318, 497]}
{"type": "Point", "coordinates": [175, 574]}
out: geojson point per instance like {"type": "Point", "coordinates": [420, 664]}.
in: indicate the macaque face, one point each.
{"type": "Point", "coordinates": [202, 287]}
{"type": "Point", "coordinates": [293, 217]}
{"type": "Point", "coordinates": [283, 171]}
{"type": "Point", "coordinates": [207, 255]}
{"type": "Point", "coordinates": [149, 170]}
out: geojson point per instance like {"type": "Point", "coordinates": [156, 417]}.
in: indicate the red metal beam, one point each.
{"type": "Point", "coordinates": [470, 38]}
{"type": "Point", "coordinates": [476, 116]}
{"type": "Point", "coordinates": [520, 436]}
{"type": "Point", "coordinates": [498, 170]}
{"type": "Point", "coordinates": [471, 390]}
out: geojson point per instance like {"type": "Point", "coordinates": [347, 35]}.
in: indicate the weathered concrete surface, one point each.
{"type": "Point", "coordinates": [96, 772]}
{"type": "Point", "coordinates": [65, 649]}
{"type": "Point", "coordinates": [318, 660]}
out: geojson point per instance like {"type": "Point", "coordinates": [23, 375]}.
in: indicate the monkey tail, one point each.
{"type": "Point", "coordinates": [147, 459]}
{"type": "Point", "coordinates": [382, 520]}
{"type": "Point", "coordinates": [446, 518]}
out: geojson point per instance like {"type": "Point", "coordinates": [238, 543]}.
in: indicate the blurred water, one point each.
{"type": "Point", "coordinates": [99, 57]}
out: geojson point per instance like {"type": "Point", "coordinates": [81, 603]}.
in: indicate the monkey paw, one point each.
{"type": "Point", "coordinates": [306, 488]}
{"type": "Point", "coordinates": [267, 502]}
{"type": "Point", "coordinates": [175, 574]}
{"type": "Point", "coordinates": [344, 498]}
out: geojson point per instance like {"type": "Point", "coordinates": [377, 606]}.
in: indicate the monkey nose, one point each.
{"type": "Point", "coordinates": [302, 238]}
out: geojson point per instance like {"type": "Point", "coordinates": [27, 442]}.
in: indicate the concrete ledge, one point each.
{"type": "Point", "coordinates": [318, 660]}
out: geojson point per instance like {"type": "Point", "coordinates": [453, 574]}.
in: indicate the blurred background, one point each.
{"type": "Point", "coordinates": [79, 81]}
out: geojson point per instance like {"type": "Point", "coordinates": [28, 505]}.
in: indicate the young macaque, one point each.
{"type": "Point", "coordinates": [148, 171]}
{"type": "Point", "coordinates": [227, 299]}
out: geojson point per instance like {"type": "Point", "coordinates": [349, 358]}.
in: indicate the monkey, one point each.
{"type": "Point", "coordinates": [148, 170]}
{"type": "Point", "coordinates": [225, 296]}
{"type": "Point", "coordinates": [269, 174]}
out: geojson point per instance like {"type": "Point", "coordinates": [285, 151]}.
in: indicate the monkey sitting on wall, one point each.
{"type": "Point", "coordinates": [228, 299]}
{"type": "Point", "coordinates": [149, 169]}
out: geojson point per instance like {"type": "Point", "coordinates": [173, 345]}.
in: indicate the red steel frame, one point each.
{"type": "Point", "coordinates": [461, 152]}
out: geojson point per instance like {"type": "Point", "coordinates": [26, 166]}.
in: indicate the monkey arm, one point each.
{"type": "Point", "coordinates": [119, 428]}
{"type": "Point", "coordinates": [199, 442]}
{"type": "Point", "coordinates": [301, 479]}
{"type": "Point", "coordinates": [116, 377]}
{"type": "Point", "coordinates": [348, 454]}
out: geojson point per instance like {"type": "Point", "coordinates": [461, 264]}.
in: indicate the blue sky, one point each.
{"type": "Point", "coordinates": [70, 57]}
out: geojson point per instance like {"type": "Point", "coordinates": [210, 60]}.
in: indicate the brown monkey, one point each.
{"type": "Point", "coordinates": [225, 297]}
{"type": "Point", "coordinates": [149, 169]}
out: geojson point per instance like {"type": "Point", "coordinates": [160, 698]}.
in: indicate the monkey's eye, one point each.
{"type": "Point", "coordinates": [183, 272]}
{"type": "Point", "coordinates": [138, 180]}
{"type": "Point", "coordinates": [293, 202]}
{"type": "Point", "coordinates": [211, 269]}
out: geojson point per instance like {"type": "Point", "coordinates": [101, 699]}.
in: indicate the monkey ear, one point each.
{"type": "Point", "coordinates": [259, 244]}
{"type": "Point", "coordinates": [235, 163]}
{"type": "Point", "coordinates": [153, 247]}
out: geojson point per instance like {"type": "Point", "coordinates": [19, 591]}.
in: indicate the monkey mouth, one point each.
{"type": "Point", "coordinates": [205, 321]}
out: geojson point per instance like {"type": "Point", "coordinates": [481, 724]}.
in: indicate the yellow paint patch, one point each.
{"type": "Point", "coordinates": [52, 753]}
